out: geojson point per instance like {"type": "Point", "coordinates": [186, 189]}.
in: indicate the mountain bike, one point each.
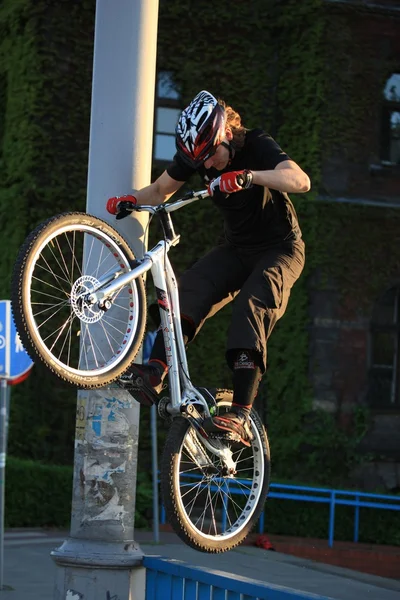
{"type": "Point", "coordinates": [79, 303]}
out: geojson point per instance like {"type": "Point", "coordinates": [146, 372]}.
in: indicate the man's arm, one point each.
{"type": "Point", "coordinates": [286, 177]}
{"type": "Point", "coordinates": [159, 191]}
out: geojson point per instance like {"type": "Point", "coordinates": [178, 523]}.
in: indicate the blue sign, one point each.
{"type": "Point", "coordinates": [15, 363]}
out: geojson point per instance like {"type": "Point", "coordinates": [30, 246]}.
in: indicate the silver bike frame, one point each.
{"type": "Point", "coordinates": [182, 391]}
{"type": "Point", "coordinates": [181, 388]}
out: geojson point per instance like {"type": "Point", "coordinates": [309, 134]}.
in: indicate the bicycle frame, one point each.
{"type": "Point", "coordinates": [157, 261]}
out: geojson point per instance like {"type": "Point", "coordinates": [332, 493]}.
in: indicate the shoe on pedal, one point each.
{"type": "Point", "coordinates": [231, 426]}
{"type": "Point", "coordinates": [144, 382]}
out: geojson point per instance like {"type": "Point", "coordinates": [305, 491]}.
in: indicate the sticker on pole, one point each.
{"type": "Point", "coordinates": [15, 363]}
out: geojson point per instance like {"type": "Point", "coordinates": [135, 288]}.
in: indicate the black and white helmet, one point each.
{"type": "Point", "coordinates": [200, 127]}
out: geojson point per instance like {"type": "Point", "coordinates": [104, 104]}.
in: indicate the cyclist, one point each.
{"type": "Point", "coordinates": [249, 177]}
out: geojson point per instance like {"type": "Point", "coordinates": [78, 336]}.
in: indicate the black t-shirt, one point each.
{"type": "Point", "coordinates": [258, 216]}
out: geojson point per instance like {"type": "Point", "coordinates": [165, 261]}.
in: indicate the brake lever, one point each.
{"type": "Point", "coordinates": [125, 209]}
{"type": "Point", "coordinates": [122, 214]}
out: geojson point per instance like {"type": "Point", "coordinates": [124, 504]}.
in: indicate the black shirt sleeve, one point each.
{"type": "Point", "coordinates": [178, 170]}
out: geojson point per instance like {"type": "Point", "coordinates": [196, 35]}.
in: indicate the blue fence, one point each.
{"type": "Point", "coordinates": [333, 498]}
{"type": "Point", "coordinates": [321, 495]}
{"type": "Point", "coordinates": [171, 579]}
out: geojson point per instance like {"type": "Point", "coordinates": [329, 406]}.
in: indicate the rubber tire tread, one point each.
{"type": "Point", "coordinates": [21, 319]}
{"type": "Point", "coordinates": [175, 517]}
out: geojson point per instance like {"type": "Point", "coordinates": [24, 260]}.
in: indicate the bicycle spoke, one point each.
{"type": "Point", "coordinates": [112, 326]}
{"type": "Point", "coordinates": [60, 330]}
{"type": "Point", "coordinates": [57, 242]}
{"type": "Point", "coordinates": [66, 338]}
{"type": "Point", "coordinates": [95, 345]}
{"type": "Point", "coordinates": [44, 293]}
{"type": "Point", "coordinates": [198, 486]}
{"type": "Point", "coordinates": [49, 270]}
{"type": "Point", "coordinates": [50, 307]}
{"type": "Point", "coordinates": [50, 317]}
{"type": "Point", "coordinates": [192, 503]}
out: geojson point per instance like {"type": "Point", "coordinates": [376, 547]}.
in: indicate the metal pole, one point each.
{"type": "Point", "coordinates": [156, 525]}
{"type": "Point", "coordinates": [3, 451]}
{"type": "Point", "coordinates": [101, 559]}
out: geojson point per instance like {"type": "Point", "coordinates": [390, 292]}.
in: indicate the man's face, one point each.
{"type": "Point", "coordinates": [219, 159]}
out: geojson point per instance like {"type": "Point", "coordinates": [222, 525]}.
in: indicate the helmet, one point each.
{"type": "Point", "coordinates": [200, 127]}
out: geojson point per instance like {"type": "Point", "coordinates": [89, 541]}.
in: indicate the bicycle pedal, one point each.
{"type": "Point", "coordinates": [227, 436]}
{"type": "Point", "coordinates": [128, 381]}
{"type": "Point", "coordinates": [134, 384]}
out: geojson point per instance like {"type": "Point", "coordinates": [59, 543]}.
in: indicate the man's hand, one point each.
{"type": "Point", "coordinates": [234, 181]}
{"type": "Point", "coordinates": [115, 205]}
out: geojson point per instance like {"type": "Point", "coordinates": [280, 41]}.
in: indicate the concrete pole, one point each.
{"type": "Point", "coordinates": [100, 559]}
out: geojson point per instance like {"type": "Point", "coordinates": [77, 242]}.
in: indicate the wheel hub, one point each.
{"type": "Point", "coordinates": [84, 309]}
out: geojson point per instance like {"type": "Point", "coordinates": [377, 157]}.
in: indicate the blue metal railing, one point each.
{"type": "Point", "coordinates": [334, 498]}
{"type": "Point", "coordinates": [320, 495]}
{"type": "Point", "coordinates": [171, 579]}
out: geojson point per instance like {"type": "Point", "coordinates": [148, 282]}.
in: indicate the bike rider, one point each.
{"type": "Point", "coordinates": [261, 257]}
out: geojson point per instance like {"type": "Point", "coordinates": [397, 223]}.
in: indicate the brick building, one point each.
{"type": "Point", "coordinates": [355, 336]}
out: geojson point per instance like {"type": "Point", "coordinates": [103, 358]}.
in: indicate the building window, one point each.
{"type": "Point", "coordinates": [391, 121]}
{"type": "Point", "coordinates": [384, 375]}
{"type": "Point", "coordinates": [168, 109]}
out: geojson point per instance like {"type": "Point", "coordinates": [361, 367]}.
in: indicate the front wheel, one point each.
{"type": "Point", "coordinates": [61, 263]}
{"type": "Point", "coordinates": [211, 509]}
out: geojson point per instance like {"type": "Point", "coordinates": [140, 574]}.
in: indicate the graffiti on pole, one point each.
{"type": "Point", "coordinates": [72, 595]}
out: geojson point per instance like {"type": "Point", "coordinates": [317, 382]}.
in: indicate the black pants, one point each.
{"type": "Point", "coordinates": [260, 282]}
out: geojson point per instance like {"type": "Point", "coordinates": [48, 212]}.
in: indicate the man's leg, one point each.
{"type": "Point", "coordinates": [261, 302]}
{"type": "Point", "coordinates": [147, 381]}
{"type": "Point", "coordinates": [204, 289]}
{"type": "Point", "coordinates": [246, 379]}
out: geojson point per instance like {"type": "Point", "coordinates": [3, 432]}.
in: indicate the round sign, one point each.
{"type": "Point", "coordinates": [15, 363]}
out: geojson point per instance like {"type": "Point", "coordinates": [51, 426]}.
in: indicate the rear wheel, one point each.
{"type": "Point", "coordinates": [60, 264]}
{"type": "Point", "coordinates": [210, 509]}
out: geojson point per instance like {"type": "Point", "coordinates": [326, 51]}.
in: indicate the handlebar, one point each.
{"type": "Point", "coordinates": [186, 199]}
{"type": "Point", "coordinates": [125, 207]}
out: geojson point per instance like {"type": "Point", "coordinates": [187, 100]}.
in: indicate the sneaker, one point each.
{"type": "Point", "coordinates": [230, 426]}
{"type": "Point", "coordinates": [144, 383]}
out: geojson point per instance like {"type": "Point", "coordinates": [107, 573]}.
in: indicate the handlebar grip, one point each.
{"type": "Point", "coordinates": [112, 205]}
{"type": "Point", "coordinates": [117, 203]}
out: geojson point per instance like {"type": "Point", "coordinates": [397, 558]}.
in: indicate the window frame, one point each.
{"type": "Point", "coordinates": [388, 106]}
{"type": "Point", "coordinates": [393, 328]}
{"type": "Point", "coordinates": [164, 102]}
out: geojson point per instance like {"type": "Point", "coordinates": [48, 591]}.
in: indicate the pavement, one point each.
{"type": "Point", "coordinates": [29, 571]}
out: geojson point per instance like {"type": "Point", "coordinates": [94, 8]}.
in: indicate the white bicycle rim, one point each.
{"type": "Point", "coordinates": [117, 336]}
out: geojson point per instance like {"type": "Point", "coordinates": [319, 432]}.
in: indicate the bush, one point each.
{"type": "Point", "coordinates": [39, 495]}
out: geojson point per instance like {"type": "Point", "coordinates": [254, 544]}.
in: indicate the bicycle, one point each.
{"type": "Point", "coordinates": [79, 303]}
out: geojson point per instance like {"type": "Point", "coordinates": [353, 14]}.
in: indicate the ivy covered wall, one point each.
{"type": "Point", "coordinates": [276, 63]}
{"type": "Point", "coordinates": [45, 63]}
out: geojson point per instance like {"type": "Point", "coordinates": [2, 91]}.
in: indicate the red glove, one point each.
{"type": "Point", "coordinates": [234, 181]}
{"type": "Point", "coordinates": [112, 203]}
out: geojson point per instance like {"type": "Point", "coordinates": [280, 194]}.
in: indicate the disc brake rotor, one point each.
{"type": "Point", "coordinates": [84, 310]}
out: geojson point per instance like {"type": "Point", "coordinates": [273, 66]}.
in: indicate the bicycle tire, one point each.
{"type": "Point", "coordinates": [42, 265]}
{"type": "Point", "coordinates": [172, 492]}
